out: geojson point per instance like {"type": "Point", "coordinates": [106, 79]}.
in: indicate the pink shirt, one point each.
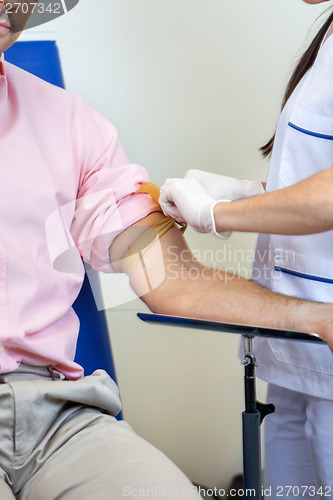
{"type": "Point", "coordinates": [66, 191]}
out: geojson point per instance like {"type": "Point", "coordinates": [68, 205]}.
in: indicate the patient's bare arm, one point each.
{"type": "Point", "coordinates": [170, 281]}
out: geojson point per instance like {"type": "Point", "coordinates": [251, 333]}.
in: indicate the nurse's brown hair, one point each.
{"type": "Point", "coordinates": [302, 67]}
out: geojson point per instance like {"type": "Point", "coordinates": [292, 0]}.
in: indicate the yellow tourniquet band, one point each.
{"type": "Point", "coordinates": [151, 189]}
{"type": "Point", "coordinates": [154, 192]}
{"type": "Point", "coordinates": [136, 249]}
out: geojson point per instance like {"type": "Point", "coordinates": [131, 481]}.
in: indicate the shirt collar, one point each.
{"type": "Point", "coordinates": [3, 82]}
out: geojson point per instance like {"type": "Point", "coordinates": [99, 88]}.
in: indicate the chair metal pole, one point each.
{"type": "Point", "coordinates": [252, 417]}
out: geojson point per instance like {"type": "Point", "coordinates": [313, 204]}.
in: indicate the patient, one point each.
{"type": "Point", "coordinates": [76, 190]}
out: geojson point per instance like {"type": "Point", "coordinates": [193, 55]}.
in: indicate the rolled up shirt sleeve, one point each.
{"type": "Point", "coordinates": [106, 203]}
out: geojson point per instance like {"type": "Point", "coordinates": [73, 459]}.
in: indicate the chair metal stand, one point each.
{"type": "Point", "coordinates": [252, 418]}
{"type": "Point", "coordinates": [255, 412]}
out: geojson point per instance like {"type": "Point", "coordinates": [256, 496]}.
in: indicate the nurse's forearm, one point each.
{"type": "Point", "coordinates": [303, 208]}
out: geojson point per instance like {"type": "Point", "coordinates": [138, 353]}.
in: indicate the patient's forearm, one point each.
{"type": "Point", "coordinates": [212, 294]}
{"type": "Point", "coordinates": [171, 281]}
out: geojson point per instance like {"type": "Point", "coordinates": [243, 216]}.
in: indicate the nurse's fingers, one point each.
{"type": "Point", "coordinates": [167, 203]}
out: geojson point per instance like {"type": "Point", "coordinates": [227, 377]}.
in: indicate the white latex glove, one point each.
{"type": "Point", "coordinates": [223, 187]}
{"type": "Point", "coordinates": [186, 201]}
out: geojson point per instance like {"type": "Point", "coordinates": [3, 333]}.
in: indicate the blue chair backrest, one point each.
{"type": "Point", "coordinates": [93, 350]}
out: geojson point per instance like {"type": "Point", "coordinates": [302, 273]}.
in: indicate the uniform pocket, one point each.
{"type": "Point", "coordinates": [302, 276]}
{"type": "Point", "coordinates": [308, 146]}
{"type": "Point", "coordinates": [309, 278]}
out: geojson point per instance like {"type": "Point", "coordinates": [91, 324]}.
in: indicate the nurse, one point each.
{"type": "Point", "coordinates": [294, 256]}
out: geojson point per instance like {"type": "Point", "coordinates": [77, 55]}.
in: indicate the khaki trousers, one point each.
{"type": "Point", "coordinates": [59, 440]}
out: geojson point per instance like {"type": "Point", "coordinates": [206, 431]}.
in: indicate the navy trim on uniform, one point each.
{"type": "Point", "coordinates": [304, 276]}
{"type": "Point", "coordinates": [309, 132]}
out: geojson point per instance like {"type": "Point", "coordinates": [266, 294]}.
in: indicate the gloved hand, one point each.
{"type": "Point", "coordinates": [223, 187]}
{"type": "Point", "coordinates": [186, 201]}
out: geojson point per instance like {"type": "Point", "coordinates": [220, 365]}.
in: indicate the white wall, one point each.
{"type": "Point", "coordinates": [189, 84]}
